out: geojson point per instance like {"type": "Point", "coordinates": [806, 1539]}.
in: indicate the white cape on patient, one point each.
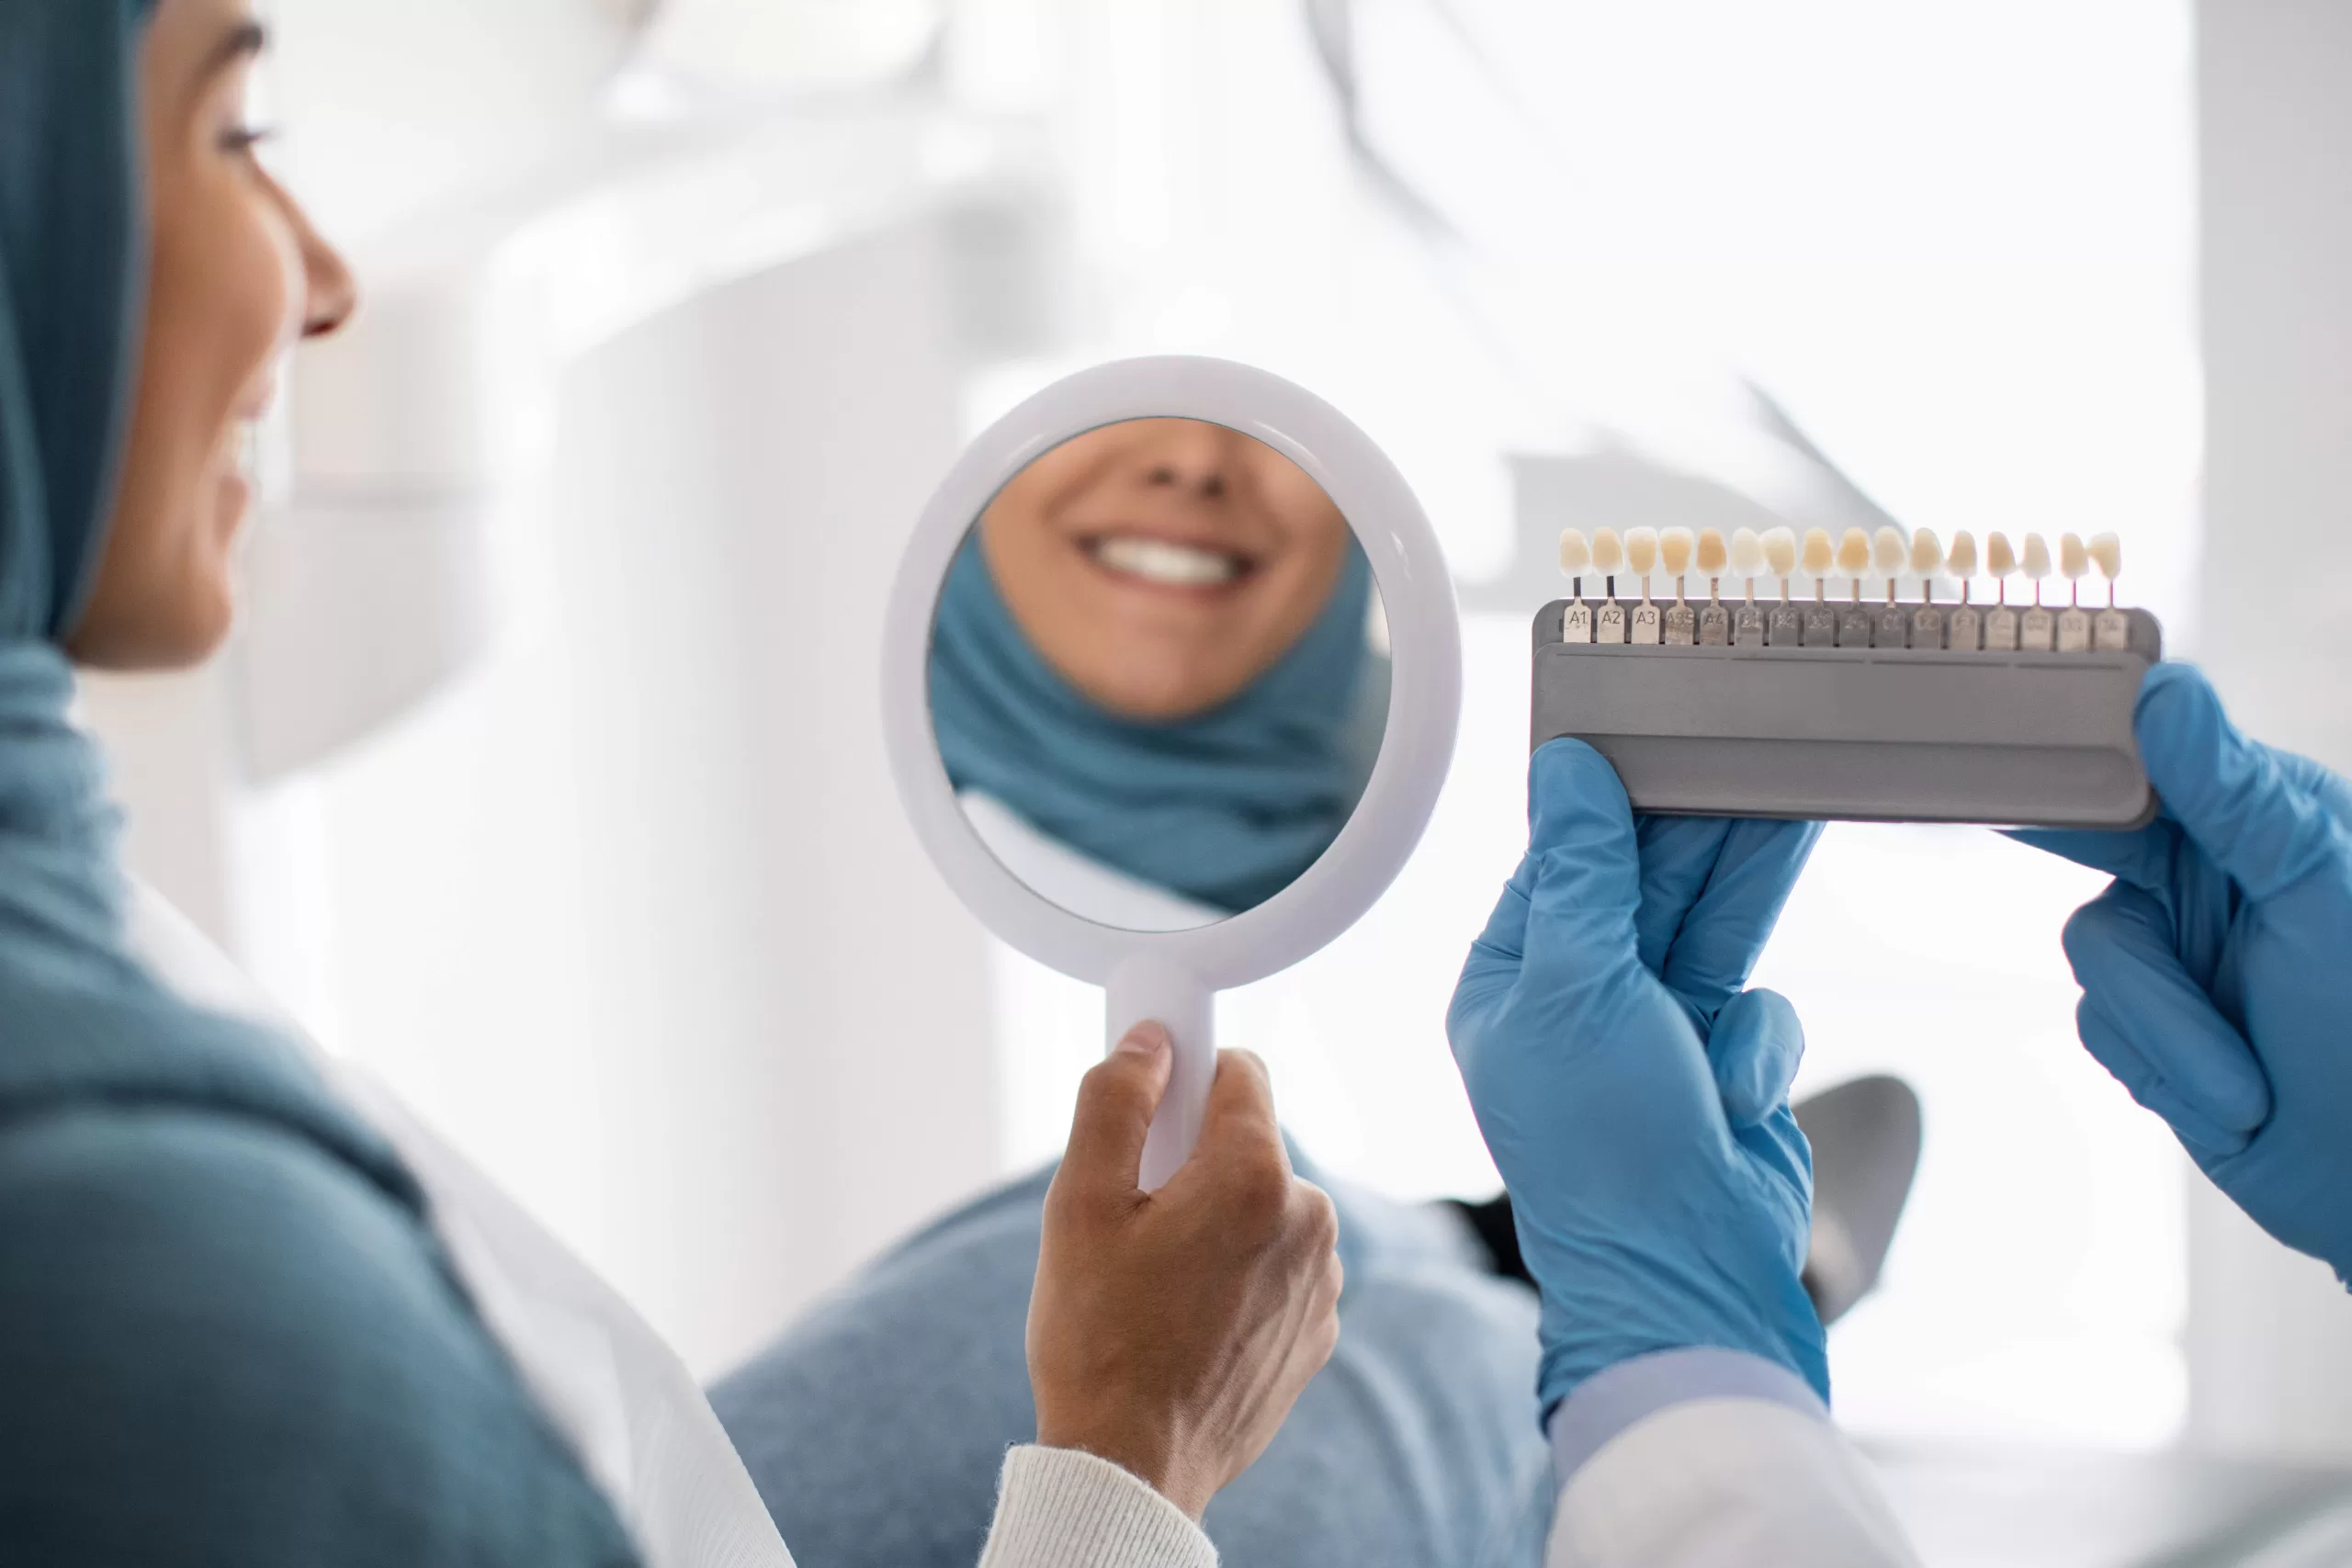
{"type": "Point", "coordinates": [1074, 881]}
{"type": "Point", "coordinates": [639, 1422]}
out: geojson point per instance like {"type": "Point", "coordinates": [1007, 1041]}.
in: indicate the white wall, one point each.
{"type": "Point", "coordinates": [2270, 1333]}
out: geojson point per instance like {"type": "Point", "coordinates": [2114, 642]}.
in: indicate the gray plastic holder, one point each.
{"type": "Point", "coordinates": [1857, 734]}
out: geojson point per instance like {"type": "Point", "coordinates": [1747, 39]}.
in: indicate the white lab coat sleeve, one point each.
{"type": "Point", "coordinates": [1063, 1509]}
{"type": "Point", "coordinates": [1711, 1459]}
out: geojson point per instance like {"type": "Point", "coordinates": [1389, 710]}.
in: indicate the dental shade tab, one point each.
{"type": "Point", "coordinates": [1930, 707]}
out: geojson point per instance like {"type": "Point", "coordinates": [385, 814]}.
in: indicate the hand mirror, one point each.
{"type": "Point", "coordinates": [1170, 680]}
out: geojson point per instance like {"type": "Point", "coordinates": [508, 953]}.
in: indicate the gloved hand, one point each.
{"type": "Point", "coordinates": [2217, 969]}
{"type": "Point", "coordinates": [1635, 1095]}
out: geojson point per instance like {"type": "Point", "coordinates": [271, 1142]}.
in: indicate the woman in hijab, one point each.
{"type": "Point", "coordinates": [250, 1314]}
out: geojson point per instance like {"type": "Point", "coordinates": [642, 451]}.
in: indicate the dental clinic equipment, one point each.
{"type": "Point", "coordinates": [1883, 709]}
{"type": "Point", "coordinates": [1127, 696]}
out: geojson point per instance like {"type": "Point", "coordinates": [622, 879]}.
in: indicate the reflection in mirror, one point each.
{"type": "Point", "coordinates": [1158, 676]}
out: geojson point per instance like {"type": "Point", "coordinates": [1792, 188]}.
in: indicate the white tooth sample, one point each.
{"type": "Point", "coordinates": [1641, 551]}
{"type": "Point", "coordinates": [1889, 553]}
{"type": "Point", "coordinates": [2074, 560]}
{"type": "Point", "coordinates": [1927, 554]}
{"type": "Point", "coordinates": [1162, 561]}
{"type": "Point", "coordinates": [1854, 554]}
{"type": "Point", "coordinates": [2035, 563]}
{"type": "Point", "coordinates": [1820, 555]}
{"type": "Point", "coordinates": [1575, 552]}
{"type": "Point", "coordinates": [1747, 553]}
{"type": "Point", "coordinates": [2000, 559]}
{"type": "Point", "coordinates": [1607, 552]}
{"type": "Point", "coordinates": [1779, 550]}
{"type": "Point", "coordinates": [1713, 559]}
{"type": "Point", "coordinates": [1960, 560]}
{"type": "Point", "coordinates": [2107, 553]}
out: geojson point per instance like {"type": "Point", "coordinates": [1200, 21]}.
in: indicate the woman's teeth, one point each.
{"type": "Point", "coordinates": [1165, 562]}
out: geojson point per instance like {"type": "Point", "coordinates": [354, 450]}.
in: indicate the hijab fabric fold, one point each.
{"type": "Point", "coordinates": [81, 1019]}
{"type": "Point", "coordinates": [1226, 808]}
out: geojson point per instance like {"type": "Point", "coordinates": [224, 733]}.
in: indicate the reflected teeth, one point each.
{"type": "Point", "coordinates": [1161, 561]}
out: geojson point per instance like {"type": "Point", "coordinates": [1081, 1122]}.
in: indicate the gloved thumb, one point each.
{"type": "Point", "coordinates": [1586, 870]}
{"type": "Point", "coordinates": [2230, 794]}
{"type": "Point", "coordinates": [1754, 1050]}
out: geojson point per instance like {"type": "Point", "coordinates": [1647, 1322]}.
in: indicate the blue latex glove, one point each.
{"type": "Point", "coordinates": [1635, 1095]}
{"type": "Point", "coordinates": [2217, 969]}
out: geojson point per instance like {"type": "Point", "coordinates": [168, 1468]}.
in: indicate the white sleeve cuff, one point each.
{"type": "Point", "coordinates": [1065, 1508]}
{"type": "Point", "coordinates": [1609, 1401]}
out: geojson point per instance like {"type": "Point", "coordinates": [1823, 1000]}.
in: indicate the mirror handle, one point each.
{"type": "Point", "coordinates": [1145, 987]}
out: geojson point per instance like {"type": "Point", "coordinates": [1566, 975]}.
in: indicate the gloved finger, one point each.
{"type": "Point", "coordinates": [2230, 794]}
{"type": "Point", "coordinates": [1115, 1102]}
{"type": "Point", "coordinates": [1725, 931]}
{"type": "Point", "coordinates": [2113, 1048]}
{"type": "Point", "coordinates": [1754, 1051]}
{"type": "Point", "coordinates": [1678, 855]}
{"type": "Point", "coordinates": [1779, 1146]}
{"type": "Point", "coordinates": [2185, 1061]}
{"type": "Point", "coordinates": [1505, 935]}
{"type": "Point", "coordinates": [2142, 856]}
{"type": "Point", "coordinates": [1579, 935]}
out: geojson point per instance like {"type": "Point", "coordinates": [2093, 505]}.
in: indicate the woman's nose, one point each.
{"type": "Point", "coordinates": [1193, 456]}
{"type": "Point", "coordinates": [330, 293]}
{"type": "Point", "coordinates": [334, 294]}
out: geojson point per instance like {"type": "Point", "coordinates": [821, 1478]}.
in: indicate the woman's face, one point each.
{"type": "Point", "coordinates": [235, 273]}
{"type": "Point", "coordinates": [1160, 565]}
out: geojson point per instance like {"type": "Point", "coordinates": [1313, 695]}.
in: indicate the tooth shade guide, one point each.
{"type": "Point", "coordinates": [1675, 548]}
{"type": "Point", "coordinates": [1961, 561]}
{"type": "Point", "coordinates": [2000, 565]}
{"type": "Point", "coordinates": [1641, 551]}
{"type": "Point", "coordinates": [1607, 555]}
{"type": "Point", "coordinates": [1576, 556]}
{"type": "Point", "coordinates": [1889, 555]}
{"type": "Point", "coordinates": [1964, 628]}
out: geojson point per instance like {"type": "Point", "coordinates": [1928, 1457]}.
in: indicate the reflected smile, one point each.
{"type": "Point", "coordinates": [1166, 563]}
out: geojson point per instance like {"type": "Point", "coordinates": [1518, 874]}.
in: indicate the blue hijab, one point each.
{"type": "Point", "coordinates": [1224, 809]}
{"type": "Point", "coordinates": [228, 1332]}
{"type": "Point", "coordinates": [78, 1014]}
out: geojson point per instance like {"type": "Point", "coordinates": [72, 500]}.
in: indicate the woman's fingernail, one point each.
{"type": "Point", "coordinates": [1146, 1039]}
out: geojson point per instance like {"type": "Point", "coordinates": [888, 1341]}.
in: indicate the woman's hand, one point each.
{"type": "Point", "coordinates": [1171, 1331]}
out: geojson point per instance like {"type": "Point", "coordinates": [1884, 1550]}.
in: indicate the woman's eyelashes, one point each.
{"type": "Point", "coordinates": [240, 139]}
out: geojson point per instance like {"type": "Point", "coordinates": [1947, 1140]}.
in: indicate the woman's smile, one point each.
{"type": "Point", "coordinates": [1161, 565]}
{"type": "Point", "coordinates": [1157, 563]}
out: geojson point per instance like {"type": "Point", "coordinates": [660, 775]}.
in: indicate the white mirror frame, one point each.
{"type": "Point", "coordinates": [1173, 976]}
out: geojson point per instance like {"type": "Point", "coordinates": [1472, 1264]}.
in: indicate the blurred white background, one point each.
{"type": "Point", "coordinates": [622, 900]}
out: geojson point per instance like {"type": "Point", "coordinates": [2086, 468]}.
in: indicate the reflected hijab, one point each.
{"type": "Point", "coordinates": [1226, 808]}
{"type": "Point", "coordinates": [81, 1020]}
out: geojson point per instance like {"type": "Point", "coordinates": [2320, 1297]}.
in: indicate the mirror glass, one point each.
{"type": "Point", "coordinates": [1158, 673]}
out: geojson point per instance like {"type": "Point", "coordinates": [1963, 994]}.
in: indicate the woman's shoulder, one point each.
{"type": "Point", "coordinates": [224, 1342]}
